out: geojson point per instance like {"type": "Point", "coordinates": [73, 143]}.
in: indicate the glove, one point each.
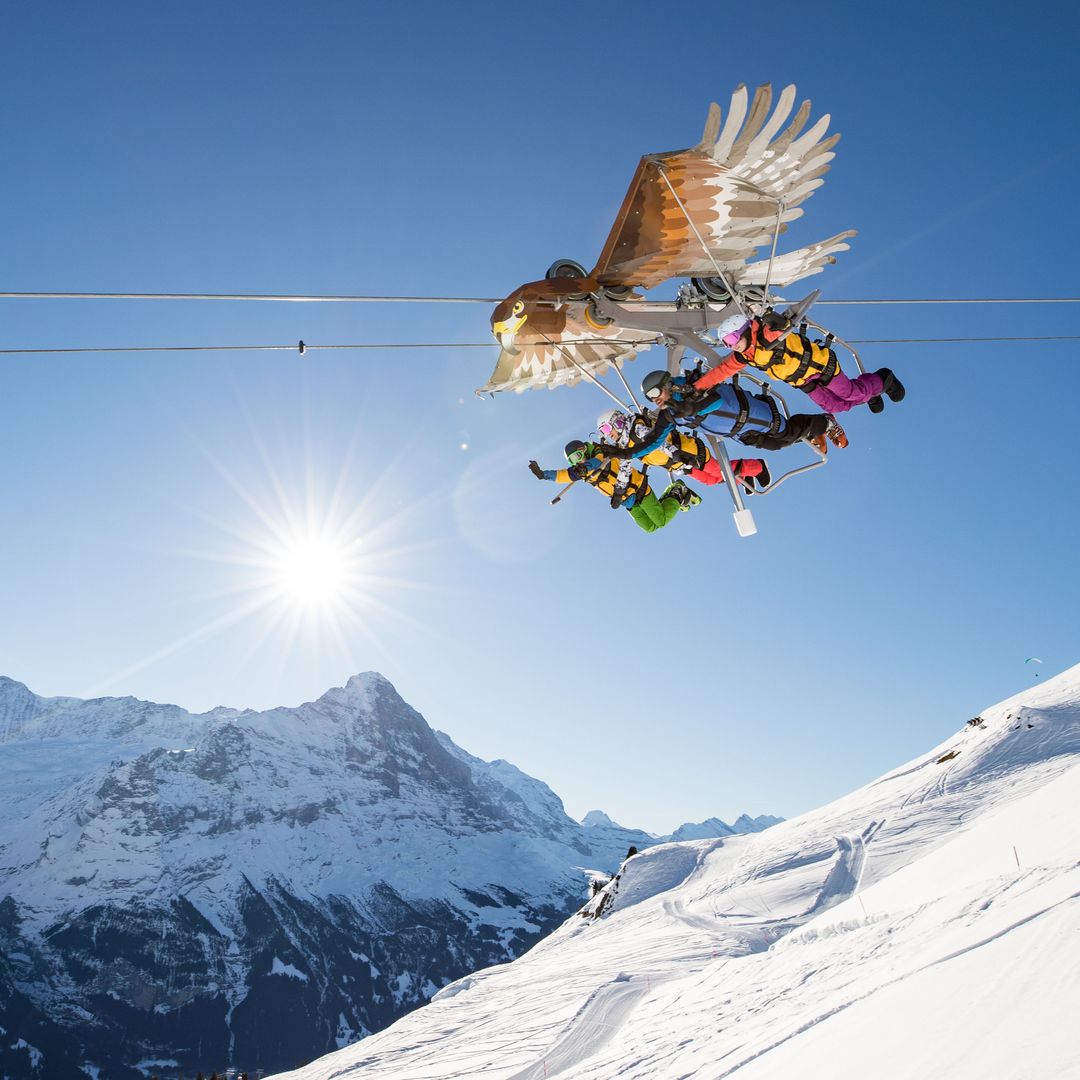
{"type": "Point", "coordinates": [536, 470]}
{"type": "Point", "coordinates": [775, 320]}
{"type": "Point", "coordinates": [577, 472]}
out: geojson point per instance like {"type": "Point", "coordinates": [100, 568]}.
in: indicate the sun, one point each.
{"type": "Point", "coordinates": [313, 571]}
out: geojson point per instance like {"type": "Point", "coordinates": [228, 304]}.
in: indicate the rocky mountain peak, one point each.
{"type": "Point", "coordinates": [333, 863]}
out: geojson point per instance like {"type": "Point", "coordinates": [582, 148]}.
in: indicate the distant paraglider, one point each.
{"type": "Point", "coordinates": [1033, 660]}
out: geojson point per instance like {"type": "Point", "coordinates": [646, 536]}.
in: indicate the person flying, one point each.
{"type": "Point", "coordinates": [680, 452]}
{"type": "Point", "coordinates": [726, 411]}
{"type": "Point", "coordinates": [769, 344]}
{"type": "Point", "coordinates": [626, 486]}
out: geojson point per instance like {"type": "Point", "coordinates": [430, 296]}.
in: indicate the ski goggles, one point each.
{"type": "Point", "coordinates": [577, 457]}
{"type": "Point", "coordinates": [655, 392]}
{"type": "Point", "coordinates": [613, 427]}
{"type": "Point", "coordinates": [732, 339]}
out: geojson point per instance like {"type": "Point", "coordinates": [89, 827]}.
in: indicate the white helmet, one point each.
{"type": "Point", "coordinates": [612, 424]}
{"type": "Point", "coordinates": [732, 328]}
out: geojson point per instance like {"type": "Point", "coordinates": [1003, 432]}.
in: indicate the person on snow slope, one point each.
{"type": "Point", "coordinates": [679, 453]}
{"type": "Point", "coordinates": [769, 344]}
{"type": "Point", "coordinates": [626, 486]}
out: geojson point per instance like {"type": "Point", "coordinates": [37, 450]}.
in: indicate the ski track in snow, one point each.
{"type": "Point", "coordinates": [885, 986]}
{"type": "Point", "coordinates": [597, 1024]}
{"type": "Point", "coordinates": [843, 879]}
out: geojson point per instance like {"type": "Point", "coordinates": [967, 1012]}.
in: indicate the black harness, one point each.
{"type": "Point", "coordinates": [827, 370]}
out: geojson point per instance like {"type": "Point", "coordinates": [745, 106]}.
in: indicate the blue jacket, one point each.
{"type": "Point", "coordinates": [718, 413]}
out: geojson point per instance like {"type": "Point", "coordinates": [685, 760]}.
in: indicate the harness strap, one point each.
{"type": "Point", "coordinates": [777, 419]}
{"type": "Point", "coordinates": [695, 459]}
{"type": "Point", "coordinates": [831, 368]}
{"type": "Point", "coordinates": [805, 364]}
{"type": "Point", "coordinates": [744, 408]}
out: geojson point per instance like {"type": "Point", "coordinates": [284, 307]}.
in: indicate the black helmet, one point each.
{"type": "Point", "coordinates": [654, 382]}
{"type": "Point", "coordinates": [575, 451]}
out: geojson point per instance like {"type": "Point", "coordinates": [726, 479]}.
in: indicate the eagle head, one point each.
{"type": "Point", "coordinates": [538, 309]}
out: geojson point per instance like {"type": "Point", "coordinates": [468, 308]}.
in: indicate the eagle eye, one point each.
{"type": "Point", "coordinates": [519, 307]}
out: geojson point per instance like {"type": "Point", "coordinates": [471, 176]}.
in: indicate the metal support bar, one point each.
{"type": "Point", "coordinates": [588, 374]}
{"type": "Point", "coordinates": [744, 520]}
{"type": "Point", "coordinates": [791, 472]}
{"type": "Point", "coordinates": [593, 379]}
{"type": "Point", "coordinates": [660, 317]}
{"type": "Point", "coordinates": [622, 379]}
{"type": "Point", "coordinates": [841, 341]}
{"type": "Point", "coordinates": [674, 357]}
{"type": "Point", "coordinates": [772, 254]}
{"type": "Point", "coordinates": [704, 247]}
{"type": "Point", "coordinates": [700, 346]}
{"type": "Point", "coordinates": [563, 491]}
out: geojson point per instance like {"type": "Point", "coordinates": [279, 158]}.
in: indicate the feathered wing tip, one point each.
{"type": "Point", "coordinates": [530, 368]}
{"type": "Point", "coordinates": [717, 203]}
{"type": "Point", "coordinates": [752, 147]}
{"type": "Point", "coordinates": [795, 265]}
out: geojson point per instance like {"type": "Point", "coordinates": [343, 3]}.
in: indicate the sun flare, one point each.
{"type": "Point", "coordinates": [313, 570]}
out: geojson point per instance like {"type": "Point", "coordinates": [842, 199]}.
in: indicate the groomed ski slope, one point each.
{"type": "Point", "coordinates": [927, 925]}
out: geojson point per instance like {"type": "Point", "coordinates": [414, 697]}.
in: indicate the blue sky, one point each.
{"type": "Point", "coordinates": [457, 150]}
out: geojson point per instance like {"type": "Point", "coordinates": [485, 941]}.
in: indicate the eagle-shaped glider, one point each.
{"type": "Point", "coordinates": [688, 213]}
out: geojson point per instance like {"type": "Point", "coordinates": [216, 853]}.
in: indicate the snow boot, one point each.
{"type": "Point", "coordinates": [835, 433]}
{"type": "Point", "coordinates": [762, 479]}
{"type": "Point", "coordinates": [892, 387]}
{"type": "Point", "coordinates": [875, 404]}
{"type": "Point", "coordinates": [819, 443]}
{"type": "Point", "coordinates": [682, 495]}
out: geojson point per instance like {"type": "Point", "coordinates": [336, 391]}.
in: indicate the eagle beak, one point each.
{"type": "Point", "coordinates": [506, 340]}
{"type": "Point", "coordinates": [510, 326]}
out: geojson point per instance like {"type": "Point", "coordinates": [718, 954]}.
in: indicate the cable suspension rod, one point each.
{"type": "Point", "coordinates": [476, 345]}
{"type": "Point", "coordinates": [279, 297]}
{"type": "Point", "coordinates": [348, 299]}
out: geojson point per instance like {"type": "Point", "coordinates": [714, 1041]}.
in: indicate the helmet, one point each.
{"type": "Point", "coordinates": [576, 451]}
{"type": "Point", "coordinates": [731, 329]}
{"type": "Point", "coordinates": [654, 382]}
{"type": "Point", "coordinates": [611, 424]}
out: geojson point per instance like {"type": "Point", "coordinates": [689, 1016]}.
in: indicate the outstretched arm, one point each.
{"type": "Point", "coordinates": [724, 370]}
{"type": "Point", "coordinates": [565, 476]}
{"type": "Point", "coordinates": [651, 440]}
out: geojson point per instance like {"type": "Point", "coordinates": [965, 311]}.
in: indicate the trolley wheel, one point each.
{"type": "Point", "coordinates": [567, 268]}
{"type": "Point", "coordinates": [712, 288]}
{"type": "Point", "coordinates": [617, 292]}
{"type": "Point", "coordinates": [594, 318]}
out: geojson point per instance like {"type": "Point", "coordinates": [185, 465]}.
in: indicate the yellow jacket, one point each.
{"type": "Point", "coordinates": [607, 474]}
{"type": "Point", "coordinates": [794, 359]}
{"type": "Point", "coordinates": [680, 451]}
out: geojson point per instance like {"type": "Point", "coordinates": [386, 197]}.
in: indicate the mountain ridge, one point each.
{"type": "Point", "coordinates": [339, 860]}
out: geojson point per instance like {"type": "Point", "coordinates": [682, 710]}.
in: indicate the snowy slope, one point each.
{"type": "Point", "coordinates": [926, 925]}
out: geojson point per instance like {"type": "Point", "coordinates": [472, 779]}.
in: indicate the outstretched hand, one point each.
{"type": "Point", "coordinates": [776, 320]}
{"type": "Point", "coordinates": [536, 470]}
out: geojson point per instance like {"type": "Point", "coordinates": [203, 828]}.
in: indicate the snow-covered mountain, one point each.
{"type": "Point", "coordinates": [927, 925]}
{"type": "Point", "coordinates": [614, 840]}
{"type": "Point", "coordinates": [184, 891]}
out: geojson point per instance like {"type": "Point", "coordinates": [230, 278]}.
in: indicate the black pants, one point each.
{"type": "Point", "coordinates": [799, 426]}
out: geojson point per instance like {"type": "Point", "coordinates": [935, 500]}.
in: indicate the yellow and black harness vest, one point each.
{"type": "Point", "coordinates": [793, 359]}
{"type": "Point", "coordinates": [606, 479]}
{"type": "Point", "coordinates": [680, 449]}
